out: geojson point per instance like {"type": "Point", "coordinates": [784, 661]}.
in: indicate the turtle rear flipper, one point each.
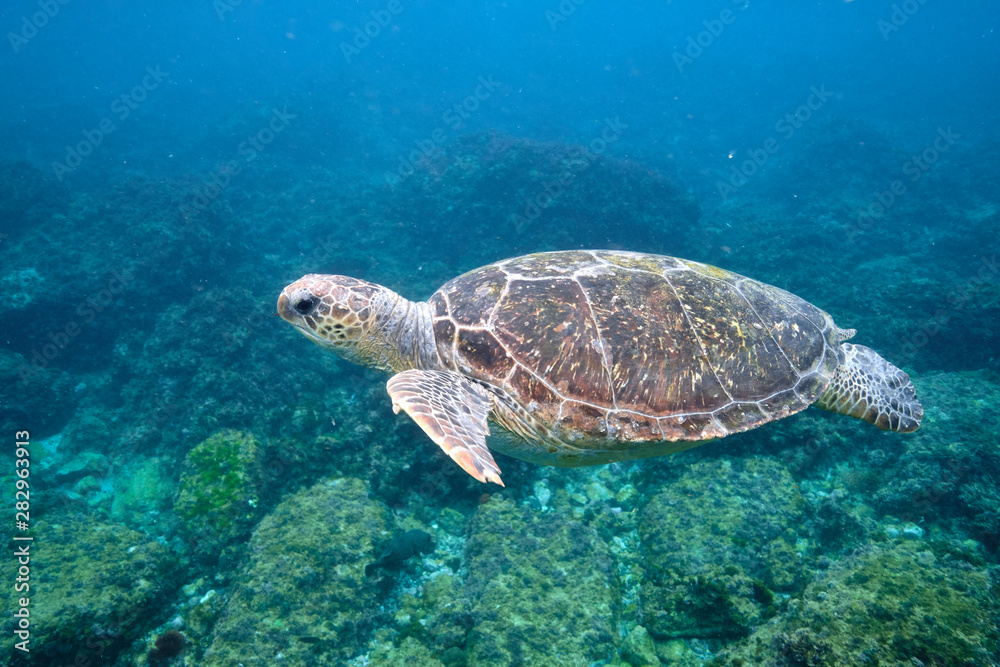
{"type": "Point", "coordinates": [868, 387]}
{"type": "Point", "coordinates": [452, 410]}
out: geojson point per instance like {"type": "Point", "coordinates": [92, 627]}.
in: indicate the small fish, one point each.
{"type": "Point", "coordinates": [410, 543]}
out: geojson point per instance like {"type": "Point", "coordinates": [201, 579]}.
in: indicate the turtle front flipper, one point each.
{"type": "Point", "coordinates": [452, 410]}
{"type": "Point", "coordinates": [868, 387]}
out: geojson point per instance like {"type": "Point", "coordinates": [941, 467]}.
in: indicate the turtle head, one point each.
{"type": "Point", "coordinates": [339, 313]}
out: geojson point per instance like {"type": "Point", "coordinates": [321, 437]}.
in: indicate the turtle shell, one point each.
{"type": "Point", "coordinates": [633, 347]}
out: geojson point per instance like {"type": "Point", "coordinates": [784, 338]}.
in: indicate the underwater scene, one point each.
{"type": "Point", "coordinates": [482, 334]}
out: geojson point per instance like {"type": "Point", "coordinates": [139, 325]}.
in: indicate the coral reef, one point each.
{"type": "Point", "coordinates": [525, 569]}
{"type": "Point", "coordinates": [204, 368]}
{"type": "Point", "coordinates": [266, 474]}
{"type": "Point", "coordinates": [145, 489]}
{"type": "Point", "coordinates": [408, 652]}
{"type": "Point", "coordinates": [542, 196]}
{"type": "Point", "coordinates": [839, 161]}
{"type": "Point", "coordinates": [885, 605]}
{"type": "Point", "coordinates": [433, 621]}
{"type": "Point", "coordinates": [219, 494]}
{"type": "Point", "coordinates": [166, 647]}
{"type": "Point", "coordinates": [303, 598]}
{"type": "Point", "coordinates": [43, 398]}
{"type": "Point", "coordinates": [94, 587]}
{"type": "Point", "coordinates": [717, 544]}
{"type": "Point", "coordinates": [638, 649]}
{"type": "Point", "coordinates": [948, 470]}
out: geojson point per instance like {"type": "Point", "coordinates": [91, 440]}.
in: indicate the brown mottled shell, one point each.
{"type": "Point", "coordinates": [634, 347]}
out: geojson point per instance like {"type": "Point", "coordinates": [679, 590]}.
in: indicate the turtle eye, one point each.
{"type": "Point", "coordinates": [305, 304]}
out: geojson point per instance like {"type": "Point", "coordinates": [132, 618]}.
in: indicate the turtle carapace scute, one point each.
{"type": "Point", "coordinates": [590, 357]}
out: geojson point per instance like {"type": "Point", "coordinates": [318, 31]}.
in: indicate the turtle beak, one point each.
{"type": "Point", "coordinates": [285, 309]}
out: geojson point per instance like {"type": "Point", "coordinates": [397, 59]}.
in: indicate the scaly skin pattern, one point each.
{"type": "Point", "coordinates": [868, 387]}
{"type": "Point", "coordinates": [363, 322]}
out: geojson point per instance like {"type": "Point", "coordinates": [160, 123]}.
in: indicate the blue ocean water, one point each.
{"type": "Point", "coordinates": [203, 486]}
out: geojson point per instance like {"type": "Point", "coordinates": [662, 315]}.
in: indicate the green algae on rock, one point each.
{"type": "Point", "coordinates": [897, 604]}
{"type": "Point", "coordinates": [717, 543]}
{"type": "Point", "coordinates": [638, 648]}
{"type": "Point", "coordinates": [219, 491]}
{"type": "Point", "coordinates": [94, 587]}
{"type": "Point", "coordinates": [949, 470]}
{"type": "Point", "coordinates": [543, 588]}
{"type": "Point", "coordinates": [303, 595]}
{"type": "Point", "coordinates": [409, 652]}
{"type": "Point", "coordinates": [143, 490]}
{"type": "Point", "coordinates": [438, 620]}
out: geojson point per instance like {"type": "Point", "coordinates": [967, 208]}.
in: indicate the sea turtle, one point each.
{"type": "Point", "coordinates": [589, 357]}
